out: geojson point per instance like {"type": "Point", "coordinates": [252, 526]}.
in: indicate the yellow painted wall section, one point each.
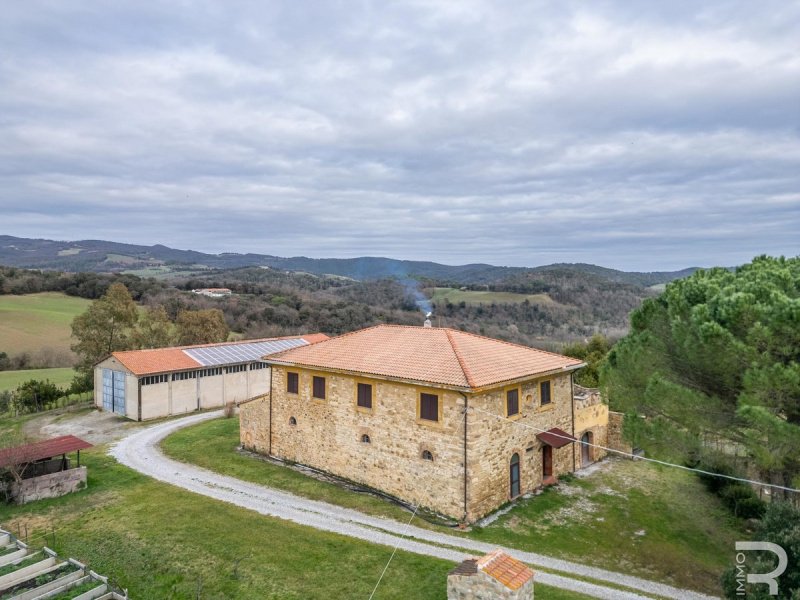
{"type": "Point", "coordinates": [591, 416]}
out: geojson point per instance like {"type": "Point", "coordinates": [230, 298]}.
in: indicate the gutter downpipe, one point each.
{"type": "Point", "coordinates": [466, 406]}
{"type": "Point", "coordinates": [572, 403]}
{"type": "Point", "coordinates": [269, 450]}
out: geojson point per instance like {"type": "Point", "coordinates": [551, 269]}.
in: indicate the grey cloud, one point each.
{"type": "Point", "coordinates": [453, 131]}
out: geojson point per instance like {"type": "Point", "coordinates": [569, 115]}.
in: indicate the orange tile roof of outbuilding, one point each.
{"type": "Point", "coordinates": [426, 354]}
{"type": "Point", "coordinates": [506, 569]}
{"type": "Point", "coordinates": [157, 360]}
{"type": "Point", "coordinates": [162, 360]}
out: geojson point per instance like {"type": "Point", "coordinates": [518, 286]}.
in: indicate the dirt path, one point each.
{"type": "Point", "coordinates": [139, 450]}
{"type": "Point", "coordinates": [94, 426]}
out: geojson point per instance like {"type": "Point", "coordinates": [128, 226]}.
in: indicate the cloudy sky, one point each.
{"type": "Point", "coordinates": [636, 135]}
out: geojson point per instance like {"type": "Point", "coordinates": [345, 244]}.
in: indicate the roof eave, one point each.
{"type": "Point", "coordinates": [528, 377]}
{"type": "Point", "coordinates": [415, 382]}
{"type": "Point", "coordinates": [421, 382]}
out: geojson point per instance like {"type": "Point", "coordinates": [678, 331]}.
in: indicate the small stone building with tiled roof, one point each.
{"type": "Point", "coordinates": [496, 576]}
{"type": "Point", "coordinates": [153, 383]}
{"type": "Point", "coordinates": [454, 422]}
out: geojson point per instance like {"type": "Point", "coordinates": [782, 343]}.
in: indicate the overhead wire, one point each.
{"type": "Point", "coordinates": [637, 457]}
{"type": "Point", "coordinates": [403, 534]}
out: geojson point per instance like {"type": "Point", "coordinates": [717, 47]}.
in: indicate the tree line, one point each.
{"type": "Point", "coordinates": [113, 322]}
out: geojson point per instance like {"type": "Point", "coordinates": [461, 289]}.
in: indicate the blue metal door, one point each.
{"type": "Point", "coordinates": [108, 390]}
{"type": "Point", "coordinates": [114, 391]}
{"type": "Point", "coordinates": [119, 392]}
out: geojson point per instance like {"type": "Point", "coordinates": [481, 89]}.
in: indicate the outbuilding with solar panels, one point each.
{"type": "Point", "coordinates": [148, 384]}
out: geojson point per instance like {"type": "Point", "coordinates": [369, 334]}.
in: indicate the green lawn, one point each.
{"type": "Point", "coordinates": [162, 542]}
{"type": "Point", "coordinates": [442, 295]}
{"type": "Point", "coordinates": [31, 322]}
{"type": "Point", "coordinates": [218, 440]}
{"type": "Point", "coordinates": [634, 517]}
{"type": "Point", "coordinates": [639, 518]}
{"type": "Point", "coordinates": [9, 380]}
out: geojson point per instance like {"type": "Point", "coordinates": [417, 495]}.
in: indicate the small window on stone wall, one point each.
{"type": "Point", "coordinates": [544, 392]}
{"type": "Point", "coordinates": [292, 421]}
{"type": "Point", "coordinates": [365, 439]}
{"type": "Point", "coordinates": [426, 455]}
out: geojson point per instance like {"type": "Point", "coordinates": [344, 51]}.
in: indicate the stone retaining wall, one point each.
{"type": "Point", "coordinates": [49, 486]}
{"type": "Point", "coordinates": [615, 439]}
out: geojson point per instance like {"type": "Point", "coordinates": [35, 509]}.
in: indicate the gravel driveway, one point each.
{"type": "Point", "coordinates": [140, 451]}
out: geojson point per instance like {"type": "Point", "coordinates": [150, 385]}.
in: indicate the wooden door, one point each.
{"type": "Point", "coordinates": [547, 461]}
{"type": "Point", "coordinates": [586, 449]}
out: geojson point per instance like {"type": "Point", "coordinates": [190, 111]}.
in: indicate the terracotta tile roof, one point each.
{"type": "Point", "coordinates": [509, 571]}
{"type": "Point", "coordinates": [313, 338]}
{"type": "Point", "coordinates": [162, 360]}
{"type": "Point", "coordinates": [427, 354]}
{"type": "Point", "coordinates": [158, 360]}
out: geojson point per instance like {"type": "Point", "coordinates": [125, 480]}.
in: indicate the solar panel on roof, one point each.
{"type": "Point", "coordinates": [239, 353]}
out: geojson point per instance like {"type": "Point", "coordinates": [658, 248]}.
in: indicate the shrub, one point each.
{"type": "Point", "coordinates": [229, 410]}
{"type": "Point", "coordinates": [33, 395]}
{"type": "Point", "coordinates": [749, 508]}
{"type": "Point", "coordinates": [739, 497]}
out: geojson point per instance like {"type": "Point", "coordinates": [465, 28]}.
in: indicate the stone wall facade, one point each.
{"type": "Point", "coordinates": [329, 435]}
{"type": "Point", "coordinates": [482, 587]}
{"type": "Point", "coordinates": [615, 439]}
{"type": "Point", "coordinates": [49, 486]}
{"type": "Point", "coordinates": [384, 447]}
{"type": "Point", "coordinates": [254, 424]}
{"type": "Point", "coordinates": [493, 439]}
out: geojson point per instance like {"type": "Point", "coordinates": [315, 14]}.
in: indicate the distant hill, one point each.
{"type": "Point", "coordinates": [631, 277]}
{"type": "Point", "coordinates": [109, 257]}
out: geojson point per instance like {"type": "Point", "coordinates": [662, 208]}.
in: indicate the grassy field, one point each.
{"type": "Point", "coordinates": [9, 380]}
{"type": "Point", "coordinates": [162, 542]}
{"type": "Point", "coordinates": [442, 295]}
{"type": "Point", "coordinates": [35, 321]}
{"type": "Point", "coordinates": [163, 272]}
{"type": "Point", "coordinates": [634, 517]}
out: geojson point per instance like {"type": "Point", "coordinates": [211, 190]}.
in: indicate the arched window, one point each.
{"type": "Point", "coordinates": [365, 439]}
{"type": "Point", "coordinates": [426, 455]}
{"type": "Point", "coordinates": [292, 421]}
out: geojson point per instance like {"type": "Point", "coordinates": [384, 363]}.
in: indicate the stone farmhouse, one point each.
{"type": "Point", "coordinates": [148, 384]}
{"type": "Point", "coordinates": [454, 422]}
